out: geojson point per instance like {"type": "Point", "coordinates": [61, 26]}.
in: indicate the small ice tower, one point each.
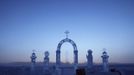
{"type": "Point", "coordinates": [33, 61]}
{"type": "Point", "coordinates": [46, 63]}
{"type": "Point", "coordinates": [89, 59]}
{"type": "Point", "coordinates": [105, 61]}
{"type": "Point", "coordinates": [46, 58]}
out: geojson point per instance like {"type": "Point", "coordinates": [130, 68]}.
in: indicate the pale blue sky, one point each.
{"type": "Point", "coordinates": [93, 24]}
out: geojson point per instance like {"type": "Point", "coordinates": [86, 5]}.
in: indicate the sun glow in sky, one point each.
{"type": "Point", "coordinates": [40, 25]}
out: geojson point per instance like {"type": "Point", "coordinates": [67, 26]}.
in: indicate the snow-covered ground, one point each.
{"type": "Point", "coordinates": [66, 69]}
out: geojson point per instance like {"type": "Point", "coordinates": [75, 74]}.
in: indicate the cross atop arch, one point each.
{"type": "Point", "coordinates": [66, 32]}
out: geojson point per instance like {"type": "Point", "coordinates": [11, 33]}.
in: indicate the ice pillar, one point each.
{"type": "Point", "coordinates": [89, 59]}
{"type": "Point", "coordinates": [105, 61]}
{"type": "Point", "coordinates": [33, 61]}
{"type": "Point", "coordinates": [46, 63]}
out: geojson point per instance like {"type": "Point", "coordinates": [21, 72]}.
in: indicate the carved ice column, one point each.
{"type": "Point", "coordinates": [105, 61]}
{"type": "Point", "coordinates": [58, 57]}
{"type": "Point", "coordinates": [89, 59]}
{"type": "Point", "coordinates": [75, 61]}
{"type": "Point", "coordinates": [75, 57]}
{"type": "Point", "coordinates": [33, 61]}
{"type": "Point", "coordinates": [58, 62]}
{"type": "Point", "coordinates": [46, 63]}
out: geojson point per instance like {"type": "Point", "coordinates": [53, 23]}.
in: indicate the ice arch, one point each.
{"type": "Point", "coordinates": [58, 61]}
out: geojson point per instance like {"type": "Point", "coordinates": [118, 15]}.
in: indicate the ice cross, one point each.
{"type": "Point", "coordinates": [66, 32]}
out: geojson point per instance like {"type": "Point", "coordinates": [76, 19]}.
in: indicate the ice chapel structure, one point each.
{"type": "Point", "coordinates": [47, 70]}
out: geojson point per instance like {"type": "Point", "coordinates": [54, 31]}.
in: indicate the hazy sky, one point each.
{"type": "Point", "coordinates": [93, 24]}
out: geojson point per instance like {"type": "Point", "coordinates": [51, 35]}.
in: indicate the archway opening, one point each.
{"type": "Point", "coordinates": [67, 54]}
